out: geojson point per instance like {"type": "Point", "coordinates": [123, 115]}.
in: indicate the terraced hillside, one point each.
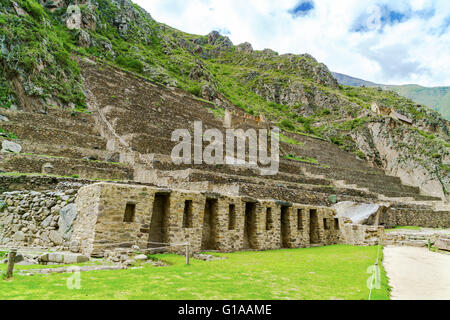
{"type": "Point", "coordinates": [127, 136]}
{"type": "Point", "coordinates": [134, 81]}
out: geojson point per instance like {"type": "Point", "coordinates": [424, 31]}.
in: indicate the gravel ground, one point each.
{"type": "Point", "coordinates": [417, 273]}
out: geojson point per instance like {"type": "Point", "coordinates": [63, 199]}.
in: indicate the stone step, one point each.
{"type": "Point", "coordinates": [55, 136]}
{"type": "Point", "coordinates": [30, 147]}
{"type": "Point", "coordinates": [85, 169]}
{"type": "Point", "coordinates": [282, 178]}
{"type": "Point", "coordinates": [55, 118]}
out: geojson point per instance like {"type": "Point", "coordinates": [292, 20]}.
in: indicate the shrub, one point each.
{"type": "Point", "coordinates": [130, 63]}
{"type": "Point", "coordinates": [33, 8]}
{"type": "Point", "coordinates": [276, 106]}
{"type": "Point", "coordinates": [360, 154]}
{"type": "Point", "coordinates": [195, 89]}
{"type": "Point", "coordinates": [325, 112]}
{"type": "Point", "coordinates": [337, 141]}
{"type": "Point", "coordinates": [287, 124]}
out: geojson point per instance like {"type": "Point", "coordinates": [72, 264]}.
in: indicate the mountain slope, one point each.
{"type": "Point", "coordinates": [437, 98]}
{"type": "Point", "coordinates": [294, 92]}
{"type": "Point", "coordinates": [346, 80]}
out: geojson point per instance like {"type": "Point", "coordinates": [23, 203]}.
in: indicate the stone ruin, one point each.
{"type": "Point", "coordinates": [107, 216]}
{"type": "Point", "coordinates": [54, 199]}
{"type": "Point", "coordinates": [112, 216]}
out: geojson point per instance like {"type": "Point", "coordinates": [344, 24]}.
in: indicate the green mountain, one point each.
{"type": "Point", "coordinates": [437, 98]}
{"type": "Point", "coordinates": [351, 81]}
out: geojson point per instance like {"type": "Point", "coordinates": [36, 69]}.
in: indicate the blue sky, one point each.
{"type": "Point", "coordinates": [390, 42]}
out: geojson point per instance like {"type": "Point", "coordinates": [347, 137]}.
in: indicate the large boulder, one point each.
{"type": "Point", "coordinates": [360, 213]}
{"type": "Point", "coordinates": [56, 237]}
{"type": "Point", "coordinates": [443, 243]}
{"type": "Point", "coordinates": [73, 20]}
{"type": "Point", "coordinates": [245, 48]}
{"type": "Point", "coordinates": [66, 258]}
{"type": "Point", "coordinates": [9, 146]}
{"type": "Point", "coordinates": [19, 236]}
{"type": "Point", "coordinates": [67, 217]}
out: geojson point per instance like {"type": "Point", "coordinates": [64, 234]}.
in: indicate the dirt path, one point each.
{"type": "Point", "coordinates": [417, 273]}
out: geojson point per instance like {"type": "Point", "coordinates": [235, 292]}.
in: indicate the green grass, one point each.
{"type": "Point", "coordinates": [334, 272]}
{"type": "Point", "coordinates": [403, 228]}
{"type": "Point", "coordinates": [289, 140]}
{"type": "Point", "coordinates": [300, 159]}
{"type": "Point", "coordinates": [9, 135]}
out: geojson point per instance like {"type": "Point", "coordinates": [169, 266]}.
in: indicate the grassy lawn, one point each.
{"type": "Point", "coordinates": [335, 272]}
{"type": "Point", "coordinates": [404, 228]}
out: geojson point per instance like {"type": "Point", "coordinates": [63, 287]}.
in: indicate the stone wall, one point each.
{"type": "Point", "coordinates": [414, 238]}
{"type": "Point", "coordinates": [123, 216]}
{"type": "Point", "coordinates": [37, 219]}
{"type": "Point", "coordinates": [361, 235]}
{"type": "Point", "coordinates": [425, 218]}
{"type": "Point", "coordinates": [39, 183]}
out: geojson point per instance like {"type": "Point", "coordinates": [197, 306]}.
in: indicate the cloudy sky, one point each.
{"type": "Point", "coordinates": [389, 42]}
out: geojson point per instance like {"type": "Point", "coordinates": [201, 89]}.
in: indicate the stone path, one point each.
{"type": "Point", "coordinates": [417, 273]}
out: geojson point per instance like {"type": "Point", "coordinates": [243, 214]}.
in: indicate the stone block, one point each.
{"type": "Point", "coordinates": [56, 237]}
{"type": "Point", "coordinates": [443, 244]}
{"type": "Point", "coordinates": [68, 214]}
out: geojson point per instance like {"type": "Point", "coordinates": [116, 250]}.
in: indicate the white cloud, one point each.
{"type": "Point", "coordinates": [413, 51]}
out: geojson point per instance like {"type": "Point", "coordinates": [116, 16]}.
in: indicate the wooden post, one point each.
{"type": "Point", "coordinates": [11, 258]}
{"type": "Point", "coordinates": [187, 253]}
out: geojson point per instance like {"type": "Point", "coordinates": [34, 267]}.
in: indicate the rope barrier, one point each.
{"type": "Point", "coordinates": [375, 269]}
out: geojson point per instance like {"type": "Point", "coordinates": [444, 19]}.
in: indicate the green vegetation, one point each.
{"type": "Point", "coordinates": [300, 159]}
{"type": "Point", "coordinates": [130, 63]}
{"type": "Point", "coordinates": [326, 273]}
{"type": "Point", "coordinates": [40, 53]}
{"type": "Point", "coordinates": [9, 135]}
{"type": "Point", "coordinates": [295, 92]}
{"type": "Point", "coordinates": [437, 98]}
{"type": "Point", "coordinates": [403, 228]}
{"type": "Point", "coordinates": [288, 140]}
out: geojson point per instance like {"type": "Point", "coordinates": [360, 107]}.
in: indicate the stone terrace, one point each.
{"type": "Point", "coordinates": [126, 134]}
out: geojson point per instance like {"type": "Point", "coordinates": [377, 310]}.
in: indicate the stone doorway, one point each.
{"type": "Point", "coordinates": [314, 235]}
{"type": "Point", "coordinates": [159, 222]}
{"type": "Point", "coordinates": [250, 226]}
{"type": "Point", "coordinates": [285, 227]}
{"type": "Point", "coordinates": [210, 221]}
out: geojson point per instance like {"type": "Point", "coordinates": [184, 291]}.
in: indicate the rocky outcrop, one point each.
{"type": "Point", "coordinates": [360, 213]}
{"type": "Point", "coordinates": [404, 153]}
{"type": "Point", "coordinates": [244, 48]}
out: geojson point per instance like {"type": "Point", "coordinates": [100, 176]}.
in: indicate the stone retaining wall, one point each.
{"type": "Point", "coordinates": [361, 235]}
{"type": "Point", "coordinates": [37, 219]}
{"type": "Point", "coordinates": [415, 217]}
